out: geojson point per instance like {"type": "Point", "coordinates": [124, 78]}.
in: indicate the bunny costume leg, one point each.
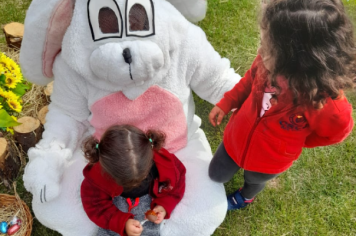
{"type": "Point", "coordinates": [65, 213]}
{"type": "Point", "coordinates": [201, 210]}
{"type": "Point", "coordinates": [203, 207]}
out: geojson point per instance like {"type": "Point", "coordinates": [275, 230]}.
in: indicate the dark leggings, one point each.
{"type": "Point", "coordinates": [222, 168]}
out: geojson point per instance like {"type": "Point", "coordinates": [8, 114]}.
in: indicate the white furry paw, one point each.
{"type": "Point", "coordinates": [43, 172]}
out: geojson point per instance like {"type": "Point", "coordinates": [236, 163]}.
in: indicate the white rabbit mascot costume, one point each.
{"type": "Point", "coordinates": [121, 62]}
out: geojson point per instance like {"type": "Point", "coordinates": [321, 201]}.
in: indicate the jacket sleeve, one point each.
{"type": "Point", "coordinates": [239, 93]}
{"type": "Point", "coordinates": [332, 125]}
{"type": "Point", "coordinates": [170, 198]}
{"type": "Point", "coordinates": [100, 209]}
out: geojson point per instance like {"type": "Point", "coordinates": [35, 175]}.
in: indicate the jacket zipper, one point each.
{"type": "Point", "coordinates": [258, 119]}
{"type": "Point", "coordinates": [248, 141]}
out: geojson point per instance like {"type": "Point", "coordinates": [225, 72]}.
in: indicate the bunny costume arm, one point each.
{"type": "Point", "coordinates": [193, 10]}
{"type": "Point", "coordinates": [211, 75]}
{"type": "Point", "coordinates": [68, 108]}
{"type": "Point", "coordinates": [46, 23]}
{"type": "Point", "coordinates": [64, 129]}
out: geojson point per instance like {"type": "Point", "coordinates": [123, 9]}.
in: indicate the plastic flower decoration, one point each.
{"type": "Point", "coordinates": [12, 88]}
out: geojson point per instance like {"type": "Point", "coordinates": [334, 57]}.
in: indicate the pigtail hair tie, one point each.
{"type": "Point", "coordinates": [91, 150]}
{"type": "Point", "coordinates": [156, 138]}
{"type": "Point", "coordinates": [97, 149]}
{"type": "Point", "coordinates": [151, 142]}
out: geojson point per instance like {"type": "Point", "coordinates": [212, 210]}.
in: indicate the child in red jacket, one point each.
{"type": "Point", "coordinates": [127, 175]}
{"type": "Point", "coordinates": [290, 98]}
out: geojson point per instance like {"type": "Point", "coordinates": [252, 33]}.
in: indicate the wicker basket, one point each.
{"type": "Point", "coordinates": [9, 206]}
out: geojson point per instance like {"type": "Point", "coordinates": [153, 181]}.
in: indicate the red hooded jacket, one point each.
{"type": "Point", "coordinates": [269, 144]}
{"type": "Point", "coordinates": [98, 190]}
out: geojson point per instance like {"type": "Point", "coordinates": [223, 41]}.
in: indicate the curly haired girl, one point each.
{"type": "Point", "coordinates": [292, 96]}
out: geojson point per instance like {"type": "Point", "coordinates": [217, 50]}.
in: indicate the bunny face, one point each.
{"type": "Point", "coordinates": [108, 63]}
{"type": "Point", "coordinates": [121, 44]}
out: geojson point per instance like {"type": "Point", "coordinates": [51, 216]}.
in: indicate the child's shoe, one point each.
{"type": "Point", "coordinates": [237, 201]}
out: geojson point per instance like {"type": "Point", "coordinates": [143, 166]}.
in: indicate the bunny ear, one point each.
{"type": "Point", "coordinates": [45, 25]}
{"type": "Point", "coordinates": [193, 10]}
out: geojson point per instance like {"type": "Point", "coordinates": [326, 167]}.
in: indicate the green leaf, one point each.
{"type": "Point", "coordinates": [6, 120]}
{"type": "Point", "coordinates": [2, 78]}
{"type": "Point", "coordinates": [20, 89]}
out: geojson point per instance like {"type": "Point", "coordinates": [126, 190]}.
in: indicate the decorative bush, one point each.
{"type": "Point", "coordinates": [12, 88]}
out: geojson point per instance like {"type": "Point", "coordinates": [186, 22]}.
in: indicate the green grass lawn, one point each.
{"type": "Point", "coordinates": [317, 196]}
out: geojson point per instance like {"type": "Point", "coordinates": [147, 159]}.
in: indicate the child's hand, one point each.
{"type": "Point", "coordinates": [161, 213]}
{"type": "Point", "coordinates": [133, 227]}
{"type": "Point", "coordinates": [216, 114]}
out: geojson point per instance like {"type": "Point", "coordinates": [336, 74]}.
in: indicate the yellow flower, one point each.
{"type": "Point", "coordinates": [8, 62]}
{"type": "Point", "coordinates": [8, 66]}
{"type": "Point", "coordinates": [11, 76]}
{"type": "Point", "coordinates": [8, 95]}
{"type": "Point", "coordinates": [16, 75]}
{"type": "Point", "coordinates": [12, 95]}
{"type": "Point", "coordinates": [10, 82]}
{"type": "Point", "coordinates": [14, 105]}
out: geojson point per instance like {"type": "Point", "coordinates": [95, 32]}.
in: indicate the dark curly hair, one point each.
{"type": "Point", "coordinates": [313, 46]}
{"type": "Point", "coordinates": [125, 153]}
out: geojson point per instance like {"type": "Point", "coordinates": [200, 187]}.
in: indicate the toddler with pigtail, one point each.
{"type": "Point", "coordinates": [128, 174]}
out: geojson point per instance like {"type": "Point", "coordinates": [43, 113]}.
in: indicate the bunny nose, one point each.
{"type": "Point", "coordinates": [127, 55]}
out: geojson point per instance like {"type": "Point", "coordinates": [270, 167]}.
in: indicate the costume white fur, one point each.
{"type": "Point", "coordinates": [94, 88]}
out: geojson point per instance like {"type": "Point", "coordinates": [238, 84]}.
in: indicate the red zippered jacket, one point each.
{"type": "Point", "coordinates": [98, 190]}
{"type": "Point", "coordinates": [269, 144]}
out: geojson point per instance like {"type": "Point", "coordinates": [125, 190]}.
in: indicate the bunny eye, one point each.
{"type": "Point", "coordinates": [139, 18]}
{"type": "Point", "coordinates": [105, 19]}
{"type": "Point", "coordinates": [108, 21]}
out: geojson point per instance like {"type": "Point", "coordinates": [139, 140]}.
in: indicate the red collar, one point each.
{"type": "Point", "coordinates": [167, 170]}
{"type": "Point", "coordinates": [96, 175]}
